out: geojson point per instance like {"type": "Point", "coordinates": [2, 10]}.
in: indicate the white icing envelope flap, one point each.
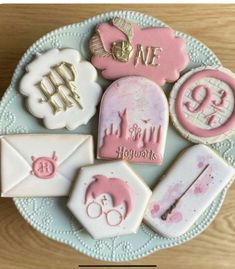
{"type": "Point", "coordinates": [42, 164]}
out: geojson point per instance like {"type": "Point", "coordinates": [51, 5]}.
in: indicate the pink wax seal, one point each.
{"type": "Point", "coordinates": [121, 48]}
{"type": "Point", "coordinates": [133, 121]}
{"type": "Point", "coordinates": [44, 167]}
{"type": "Point", "coordinates": [202, 104]}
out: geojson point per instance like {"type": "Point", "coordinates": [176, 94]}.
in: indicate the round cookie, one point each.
{"type": "Point", "coordinates": [202, 104]}
{"type": "Point", "coordinates": [61, 89]}
{"type": "Point", "coordinates": [121, 48]}
{"type": "Point", "coordinates": [133, 121]}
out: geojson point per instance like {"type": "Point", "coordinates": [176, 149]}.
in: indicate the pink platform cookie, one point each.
{"type": "Point", "coordinates": [133, 121]}
{"type": "Point", "coordinates": [202, 104]}
{"type": "Point", "coordinates": [121, 48]}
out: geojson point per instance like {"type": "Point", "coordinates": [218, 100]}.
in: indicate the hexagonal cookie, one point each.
{"type": "Point", "coordinates": [109, 199]}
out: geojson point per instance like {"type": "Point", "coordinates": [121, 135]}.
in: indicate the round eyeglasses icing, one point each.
{"type": "Point", "coordinates": [113, 216]}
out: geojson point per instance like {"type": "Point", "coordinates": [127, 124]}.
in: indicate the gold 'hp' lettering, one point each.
{"type": "Point", "coordinates": [62, 94]}
{"type": "Point", "coordinates": [148, 56]}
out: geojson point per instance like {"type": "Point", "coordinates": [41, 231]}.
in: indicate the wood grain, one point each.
{"type": "Point", "coordinates": [20, 25]}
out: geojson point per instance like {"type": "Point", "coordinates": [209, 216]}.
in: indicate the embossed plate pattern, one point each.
{"type": "Point", "coordinates": [50, 215]}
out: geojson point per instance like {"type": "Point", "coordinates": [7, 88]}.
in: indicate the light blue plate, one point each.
{"type": "Point", "coordinates": [50, 215]}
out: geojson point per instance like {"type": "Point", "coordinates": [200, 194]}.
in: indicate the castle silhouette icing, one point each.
{"type": "Point", "coordinates": [131, 142]}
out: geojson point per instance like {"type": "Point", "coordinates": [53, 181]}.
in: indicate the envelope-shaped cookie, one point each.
{"type": "Point", "coordinates": [42, 164]}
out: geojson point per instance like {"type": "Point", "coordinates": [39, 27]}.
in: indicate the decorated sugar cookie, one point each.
{"type": "Point", "coordinates": [109, 199]}
{"type": "Point", "coordinates": [184, 194]}
{"type": "Point", "coordinates": [133, 121]}
{"type": "Point", "coordinates": [202, 104]}
{"type": "Point", "coordinates": [61, 89]}
{"type": "Point", "coordinates": [42, 164]}
{"type": "Point", "coordinates": [121, 48]}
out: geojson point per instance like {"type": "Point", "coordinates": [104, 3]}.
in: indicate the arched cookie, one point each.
{"type": "Point", "coordinates": [133, 121]}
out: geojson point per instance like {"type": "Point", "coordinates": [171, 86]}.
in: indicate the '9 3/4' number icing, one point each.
{"type": "Point", "coordinates": [202, 104]}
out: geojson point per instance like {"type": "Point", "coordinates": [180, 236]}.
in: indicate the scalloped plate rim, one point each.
{"type": "Point", "coordinates": [221, 197]}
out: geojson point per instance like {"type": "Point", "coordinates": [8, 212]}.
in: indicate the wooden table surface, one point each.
{"type": "Point", "coordinates": [20, 25]}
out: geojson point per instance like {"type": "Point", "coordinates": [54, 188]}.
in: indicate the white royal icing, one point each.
{"type": "Point", "coordinates": [195, 188]}
{"type": "Point", "coordinates": [109, 199]}
{"type": "Point", "coordinates": [61, 89]}
{"type": "Point", "coordinates": [42, 165]}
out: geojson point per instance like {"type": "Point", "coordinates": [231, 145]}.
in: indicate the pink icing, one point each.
{"type": "Point", "coordinates": [132, 143]}
{"type": "Point", "coordinates": [133, 121]}
{"type": "Point", "coordinates": [119, 190]}
{"type": "Point", "coordinates": [202, 161]}
{"type": "Point", "coordinates": [174, 217]}
{"type": "Point", "coordinates": [211, 119]}
{"type": "Point", "coordinates": [101, 212]}
{"type": "Point", "coordinates": [107, 217]}
{"type": "Point", "coordinates": [202, 184]}
{"type": "Point", "coordinates": [202, 104]}
{"type": "Point", "coordinates": [200, 164]}
{"type": "Point", "coordinates": [154, 210]}
{"type": "Point", "coordinates": [157, 208]}
{"type": "Point", "coordinates": [227, 126]}
{"type": "Point", "coordinates": [222, 99]}
{"type": "Point", "coordinates": [172, 56]}
{"type": "Point", "coordinates": [44, 167]}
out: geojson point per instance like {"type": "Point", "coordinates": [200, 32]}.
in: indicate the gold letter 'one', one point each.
{"type": "Point", "coordinates": [149, 56]}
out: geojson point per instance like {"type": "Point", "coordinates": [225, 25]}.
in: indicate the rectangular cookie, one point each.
{"type": "Point", "coordinates": [42, 164]}
{"type": "Point", "coordinates": [186, 190]}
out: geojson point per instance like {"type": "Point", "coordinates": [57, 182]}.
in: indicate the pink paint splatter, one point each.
{"type": "Point", "coordinates": [199, 189]}
{"type": "Point", "coordinates": [202, 185]}
{"type": "Point", "coordinates": [154, 211]}
{"type": "Point", "coordinates": [201, 161]}
{"type": "Point", "coordinates": [200, 164]}
{"type": "Point", "coordinates": [174, 217]}
{"type": "Point", "coordinates": [173, 192]}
